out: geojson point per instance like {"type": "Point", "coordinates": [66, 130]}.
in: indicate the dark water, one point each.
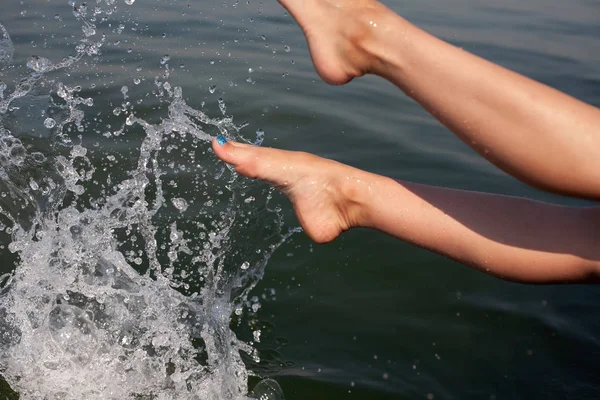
{"type": "Point", "coordinates": [366, 316]}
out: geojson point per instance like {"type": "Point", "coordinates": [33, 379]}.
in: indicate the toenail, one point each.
{"type": "Point", "coordinates": [221, 140]}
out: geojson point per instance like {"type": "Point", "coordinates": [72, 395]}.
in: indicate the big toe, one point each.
{"type": "Point", "coordinates": [241, 156]}
{"type": "Point", "coordinates": [254, 162]}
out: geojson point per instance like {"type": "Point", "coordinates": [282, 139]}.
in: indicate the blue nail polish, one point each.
{"type": "Point", "coordinates": [221, 140]}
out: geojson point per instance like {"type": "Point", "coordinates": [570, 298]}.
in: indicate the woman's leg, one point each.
{"type": "Point", "coordinates": [537, 134]}
{"type": "Point", "coordinates": [516, 239]}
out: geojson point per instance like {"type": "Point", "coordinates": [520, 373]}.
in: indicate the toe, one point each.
{"type": "Point", "coordinates": [272, 165]}
{"type": "Point", "coordinates": [232, 153]}
{"type": "Point", "coordinates": [248, 160]}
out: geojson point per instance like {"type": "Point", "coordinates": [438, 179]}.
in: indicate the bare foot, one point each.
{"type": "Point", "coordinates": [336, 31]}
{"type": "Point", "coordinates": [326, 195]}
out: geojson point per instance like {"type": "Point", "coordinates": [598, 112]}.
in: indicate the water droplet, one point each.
{"type": "Point", "coordinates": [180, 204]}
{"type": "Point", "coordinates": [222, 106]}
{"type": "Point", "coordinates": [129, 2]}
{"type": "Point", "coordinates": [212, 88]}
{"type": "Point", "coordinates": [49, 123]}
{"type": "Point", "coordinates": [78, 151]}
{"type": "Point", "coordinates": [245, 265]}
{"type": "Point", "coordinates": [130, 120]}
{"type": "Point", "coordinates": [88, 30]}
{"type": "Point", "coordinates": [287, 48]}
{"type": "Point", "coordinates": [39, 64]}
{"type": "Point", "coordinates": [137, 81]}
{"type": "Point", "coordinates": [260, 137]}
{"type": "Point", "coordinates": [165, 59]}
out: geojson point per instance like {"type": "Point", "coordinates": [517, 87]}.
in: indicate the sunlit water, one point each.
{"type": "Point", "coordinates": [111, 295]}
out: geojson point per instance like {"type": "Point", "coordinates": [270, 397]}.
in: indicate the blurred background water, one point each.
{"type": "Point", "coordinates": [366, 316]}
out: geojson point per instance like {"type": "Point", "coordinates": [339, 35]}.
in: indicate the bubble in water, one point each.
{"type": "Point", "coordinates": [180, 204]}
{"type": "Point", "coordinates": [286, 48]}
{"type": "Point", "coordinates": [165, 59]}
{"type": "Point", "coordinates": [212, 88]}
{"type": "Point", "coordinates": [245, 265]}
{"type": "Point", "coordinates": [129, 2]}
{"type": "Point", "coordinates": [267, 389]}
{"type": "Point", "coordinates": [49, 123]}
{"type": "Point", "coordinates": [39, 64]}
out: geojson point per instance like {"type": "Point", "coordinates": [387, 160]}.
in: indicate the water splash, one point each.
{"type": "Point", "coordinates": [114, 294]}
{"type": "Point", "coordinates": [7, 48]}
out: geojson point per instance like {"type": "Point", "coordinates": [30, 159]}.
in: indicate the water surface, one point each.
{"type": "Point", "coordinates": [365, 316]}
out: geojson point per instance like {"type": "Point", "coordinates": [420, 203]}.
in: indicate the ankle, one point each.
{"type": "Point", "coordinates": [356, 192]}
{"type": "Point", "coordinates": [378, 41]}
{"type": "Point", "coordinates": [362, 35]}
